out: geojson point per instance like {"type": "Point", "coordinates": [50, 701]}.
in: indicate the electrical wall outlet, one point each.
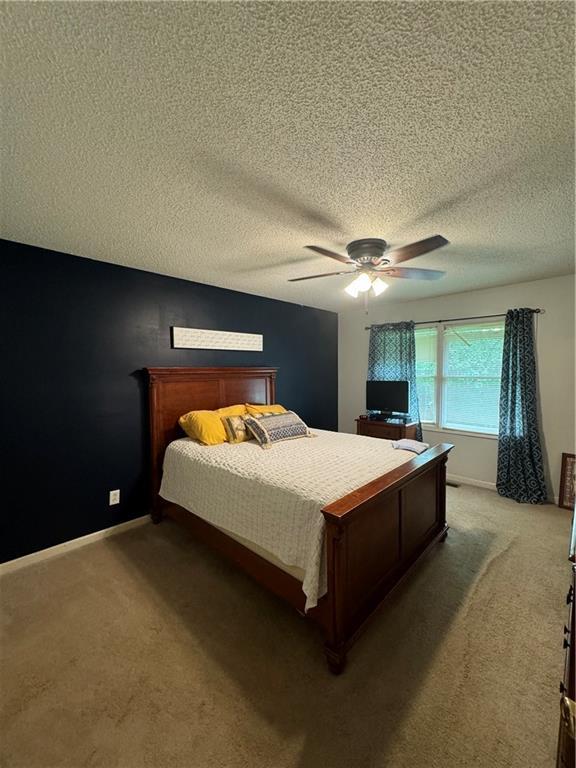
{"type": "Point", "coordinates": [114, 497]}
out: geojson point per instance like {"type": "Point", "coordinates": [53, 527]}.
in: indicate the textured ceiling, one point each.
{"type": "Point", "coordinates": [212, 141]}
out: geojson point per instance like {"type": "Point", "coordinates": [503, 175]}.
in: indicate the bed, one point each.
{"type": "Point", "coordinates": [330, 523]}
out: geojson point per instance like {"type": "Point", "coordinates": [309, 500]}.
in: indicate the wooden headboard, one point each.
{"type": "Point", "coordinates": [175, 391]}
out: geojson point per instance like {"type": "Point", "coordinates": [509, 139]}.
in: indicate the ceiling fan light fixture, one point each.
{"type": "Point", "coordinates": [363, 283]}
{"type": "Point", "coordinates": [379, 286]}
{"type": "Point", "coordinates": [352, 290]}
{"type": "Point", "coordinates": [360, 285]}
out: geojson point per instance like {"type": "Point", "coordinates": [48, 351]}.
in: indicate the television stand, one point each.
{"type": "Point", "coordinates": [395, 429]}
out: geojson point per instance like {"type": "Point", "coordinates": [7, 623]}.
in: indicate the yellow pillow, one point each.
{"type": "Point", "coordinates": [258, 410]}
{"type": "Point", "coordinates": [204, 426]}
{"type": "Point", "coordinates": [233, 410]}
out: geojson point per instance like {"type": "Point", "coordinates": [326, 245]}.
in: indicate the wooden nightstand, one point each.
{"type": "Point", "coordinates": [389, 430]}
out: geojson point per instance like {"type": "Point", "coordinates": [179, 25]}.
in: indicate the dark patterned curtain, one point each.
{"type": "Point", "coordinates": [392, 357]}
{"type": "Point", "coordinates": [520, 467]}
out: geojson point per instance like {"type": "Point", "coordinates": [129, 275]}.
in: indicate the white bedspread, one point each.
{"type": "Point", "coordinates": [274, 497]}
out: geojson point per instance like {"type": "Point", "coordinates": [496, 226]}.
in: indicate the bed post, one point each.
{"type": "Point", "coordinates": [335, 646]}
{"type": "Point", "coordinates": [442, 497]}
{"type": "Point", "coordinates": [156, 514]}
{"type": "Point", "coordinates": [155, 502]}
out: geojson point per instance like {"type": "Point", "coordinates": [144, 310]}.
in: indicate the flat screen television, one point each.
{"type": "Point", "coordinates": [388, 397]}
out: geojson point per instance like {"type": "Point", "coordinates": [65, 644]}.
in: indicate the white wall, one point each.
{"type": "Point", "coordinates": [474, 458]}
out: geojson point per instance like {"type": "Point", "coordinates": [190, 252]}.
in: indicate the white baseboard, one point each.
{"type": "Point", "coordinates": [60, 549]}
{"type": "Point", "coordinates": [485, 484]}
{"type": "Point", "coordinates": [471, 481]}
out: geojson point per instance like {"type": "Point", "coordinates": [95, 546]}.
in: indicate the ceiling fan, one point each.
{"type": "Point", "coordinates": [371, 261]}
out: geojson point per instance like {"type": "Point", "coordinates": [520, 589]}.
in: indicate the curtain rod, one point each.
{"type": "Point", "coordinates": [454, 319]}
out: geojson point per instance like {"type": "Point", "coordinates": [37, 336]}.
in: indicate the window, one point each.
{"type": "Point", "coordinates": [458, 371]}
{"type": "Point", "coordinates": [426, 353]}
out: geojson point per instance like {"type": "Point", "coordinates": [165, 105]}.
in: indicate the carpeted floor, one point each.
{"type": "Point", "coordinates": [145, 650]}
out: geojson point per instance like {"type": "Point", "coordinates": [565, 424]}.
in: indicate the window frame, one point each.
{"type": "Point", "coordinates": [435, 426]}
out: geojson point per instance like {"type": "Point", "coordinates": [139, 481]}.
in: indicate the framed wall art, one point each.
{"type": "Point", "coordinates": [200, 338]}
{"type": "Point", "coordinates": [567, 481]}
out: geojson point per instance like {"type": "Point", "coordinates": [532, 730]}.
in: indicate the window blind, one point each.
{"type": "Point", "coordinates": [471, 376]}
{"type": "Point", "coordinates": [426, 371]}
{"type": "Point", "coordinates": [458, 369]}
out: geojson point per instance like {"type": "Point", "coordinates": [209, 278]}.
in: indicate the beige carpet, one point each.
{"type": "Point", "coordinates": [146, 650]}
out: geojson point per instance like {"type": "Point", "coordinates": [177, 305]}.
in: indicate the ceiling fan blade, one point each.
{"type": "Point", "coordinates": [415, 249]}
{"type": "Point", "coordinates": [331, 254]}
{"type": "Point", "coordinates": [326, 274]}
{"type": "Point", "coordinates": [411, 274]}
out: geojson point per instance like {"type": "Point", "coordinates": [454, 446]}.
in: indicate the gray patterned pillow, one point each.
{"type": "Point", "coordinates": [276, 427]}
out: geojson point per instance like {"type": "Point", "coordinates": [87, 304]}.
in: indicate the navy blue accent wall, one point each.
{"type": "Point", "coordinates": [76, 335]}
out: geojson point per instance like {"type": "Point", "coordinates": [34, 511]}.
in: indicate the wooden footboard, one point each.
{"type": "Point", "coordinates": [374, 535]}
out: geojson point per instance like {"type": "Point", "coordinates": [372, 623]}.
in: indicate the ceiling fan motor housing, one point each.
{"type": "Point", "coordinates": [366, 251]}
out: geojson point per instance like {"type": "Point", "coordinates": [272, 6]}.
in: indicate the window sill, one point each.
{"type": "Point", "coordinates": [464, 433]}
